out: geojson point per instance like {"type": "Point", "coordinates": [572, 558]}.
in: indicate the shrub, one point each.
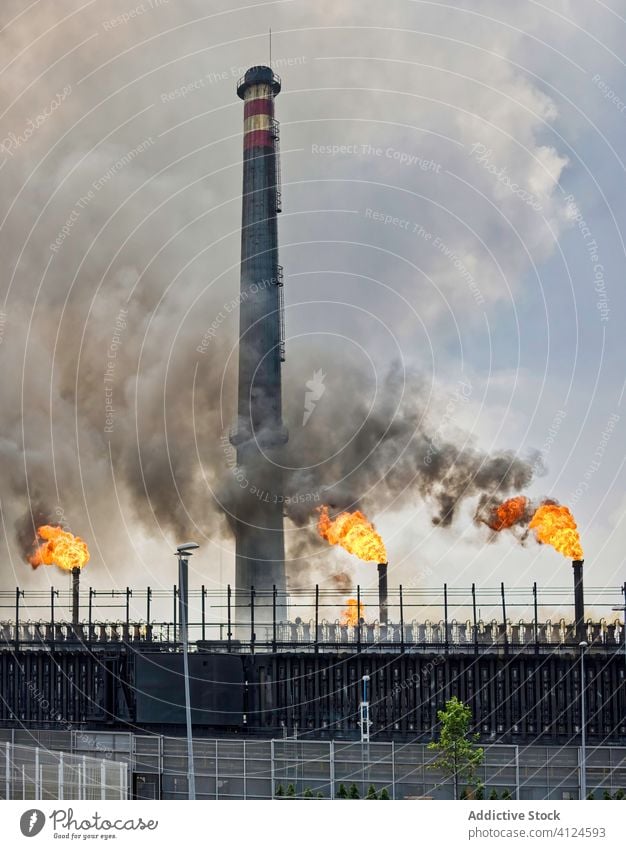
{"type": "Point", "coordinates": [280, 790]}
{"type": "Point", "coordinates": [371, 792]}
{"type": "Point", "coordinates": [291, 791]}
{"type": "Point", "coordinates": [353, 793]}
{"type": "Point", "coordinates": [493, 794]}
{"type": "Point", "coordinates": [342, 793]}
{"type": "Point", "coordinates": [506, 793]}
{"type": "Point", "coordinates": [384, 794]}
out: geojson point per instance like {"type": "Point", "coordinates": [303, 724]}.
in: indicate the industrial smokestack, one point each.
{"type": "Point", "coordinates": [382, 593]}
{"type": "Point", "coordinates": [579, 599]}
{"type": "Point", "coordinates": [75, 595]}
{"type": "Point", "coordinates": [259, 431]}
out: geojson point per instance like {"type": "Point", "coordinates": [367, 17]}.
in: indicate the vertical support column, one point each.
{"type": "Point", "coordinates": [84, 769]}
{"type": "Point", "coordinates": [358, 618]}
{"type": "Point", "coordinates": [401, 620]}
{"type": "Point", "coordinates": [244, 771]}
{"type": "Point", "coordinates": [536, 622]}
{"type": "Point", "coordinates": [393, 770]}
{"type": "Point", "coordinates": [53, 592]}
{"type": "Point", "coordinates": [37, 784]}
{"type": "Point", "coordinates": [61, 779]}
{"type": "Point", "coordinates": [475, 619]}
{"type": "Point", "coordinates": [7, 772]}
{"type": "Point", "coordinates": [252, 635]}
{"type": "Point", "coordinates": [17, 618]}
{"type": "Point", "coordinates": [203, 597]}
{"type": "Point", "coordinates": [332, 768]}
{"type": "Point", "coordinates": [506, 636]}
{"type": "Point", "coordinates": [217, 772]}
{"type": "Point", "coordinates": [229, 633]}
{"type": "Point", "coordinates": [317, 616]}
{"type": "Point", "coordinates": [90, 614]}
{"type": "Point", "coordinates": [272, 771]}
{"type": "Point", "coordinates": [517, 773]}
{"type": "Point", "coordinates": [122, 780]}
{"type": "Point", "coordinates": [445, 615]}
{"type": "Point", "coordinates": [148, 600]}
{"type": "Point", "coordinates": [274, 618]}
{"type": "Point", "coordinates": [127, 624]}
{"type": "Point", "coordinates": [175, 606]}
{"type": "Point", "coordinates": [103, 779]}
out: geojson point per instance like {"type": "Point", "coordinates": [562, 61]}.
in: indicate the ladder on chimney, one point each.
{"type": "Point", "coordinates": [281, 311]}
{"type": "Point", "coordinates": [279, 192]}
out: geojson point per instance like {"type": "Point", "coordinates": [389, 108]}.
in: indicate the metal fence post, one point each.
{"type": "Point", "coordinates": [103, 779]}
{"type": "Point", "coordinates": [217, 773]}
{"type": "Point", "coordinates": [517, 772]}
{"type": "Point", "coordinates": [272, 772]}
{"type": "Point", "coordinates": [393, 770]}
{"type": "Point", "coordinates": [61, 779]}
{"type": "Point", "coordinates": [7, 772]}
{"type": "Point", "coordinates": [332, 768]}
{"type": "Point", "coordinates": [122, 780]}
{"type": "Point", "coordinates": [37, 787]}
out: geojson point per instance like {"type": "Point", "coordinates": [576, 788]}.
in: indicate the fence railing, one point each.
{"type": "Point", "coordinates": [31, 772]}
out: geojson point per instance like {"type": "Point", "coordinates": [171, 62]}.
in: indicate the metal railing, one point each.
{"type": "Point", "coordinates": [32, 772]}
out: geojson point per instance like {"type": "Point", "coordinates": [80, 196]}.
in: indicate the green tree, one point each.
{"type": "Point", "coordinates": [319, 795]}
{"type": "Point", "coordinates": [493, 794]}
{"type": "Point", "coordinates": [291, 791]}
{"type": "Point", "coordinates": [619, 794]}
{"type": "Point", "coordinates": [308, 793]}
{"type": "Point", "coordinates": [353, 792]}
{"type": "Point", "coordinates": [384, 793]}
{"type": "Point", "coordinates": [464, 793]}
{"type": "Point", "coordinates": [479, 792]}
{"type": "Point", "coordinates": [458, 756]}
{"type": "Point", "coordinates": [371, 792]}
{"type": "Point", "coordinates": [590, 795]}
{"type": "Point", "coordinates": [606, 795]}
{"type": "Point", "coordinates": [280, 790]}
{"type": "Point", "coordinates": [506, 793]}
{"type": "Point", "coordinates": [342, 793]}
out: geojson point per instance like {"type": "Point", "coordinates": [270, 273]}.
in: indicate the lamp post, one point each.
{"type": "Point", "coordinates": [583, 723]}
{"type": "Point", "coordinates": [183, 552]}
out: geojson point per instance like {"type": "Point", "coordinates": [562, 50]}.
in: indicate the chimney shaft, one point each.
{"type": "Point", "coordinates": [579, 599]}
{"type": "Point", "coordinates": [259, 432]}
{"type": "Point", "coordinates": [382, 593]}
{"type": "Point", "coordinates": [75, 595]}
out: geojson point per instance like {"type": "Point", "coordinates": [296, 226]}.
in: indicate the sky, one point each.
{"type": "Point", "coordinates": [451, 235]}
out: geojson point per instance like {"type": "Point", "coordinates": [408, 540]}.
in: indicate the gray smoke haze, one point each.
{"type": "Point", "coordinates": [120, 244]}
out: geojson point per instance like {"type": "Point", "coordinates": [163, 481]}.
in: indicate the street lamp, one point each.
{"type": "Point", "coordinates": [183, 552]}
{"type": "Point", "coordinates": [583, 722]}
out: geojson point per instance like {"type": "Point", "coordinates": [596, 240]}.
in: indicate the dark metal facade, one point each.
{"type": "Point", "coordinates": [521, 694]}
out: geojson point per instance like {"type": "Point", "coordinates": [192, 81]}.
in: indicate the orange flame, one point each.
{"type": "Point", "coordinates": [353, 532]}
{"type": "Point", "coordinates": [554, 525]}
{"type": "Point", "coordinates": [509, 513]}
{"type": "Point", "coordinates": [350, 616]}
{"type": "Point", "coordinates": [61, 549]}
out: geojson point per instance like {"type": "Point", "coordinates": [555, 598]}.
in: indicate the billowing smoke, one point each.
{"type": "Point", "coordinates": [120, 209]}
